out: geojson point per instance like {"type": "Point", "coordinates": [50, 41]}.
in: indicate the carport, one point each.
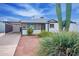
{"type": "Point", "coordinates": [13, 27]}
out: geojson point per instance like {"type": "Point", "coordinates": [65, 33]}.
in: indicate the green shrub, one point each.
{"type": "Point", "coordinates": [45, 34]}
{"type": "Point", "coordinates": [29, 31]}
{"type": "Point", "coordinates": [60, 44]}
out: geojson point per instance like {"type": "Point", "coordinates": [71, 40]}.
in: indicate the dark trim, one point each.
{"type": "Point", "coordinates": [52, 21]}
{"type": "Point", "coordinates": [73, 22]}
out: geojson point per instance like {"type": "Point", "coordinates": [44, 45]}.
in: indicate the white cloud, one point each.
{"type": "Point", "coordinates": [30, 12]}
{"type": "Point", "coordinates": [9, 8]}
{"type": "Point", "coordinates": [8, 18]}
{"type": "Point", "coordinates": [12, 18]}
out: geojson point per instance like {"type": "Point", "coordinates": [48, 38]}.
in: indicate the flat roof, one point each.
{"type": "Point", "coordinates": [40, 20]}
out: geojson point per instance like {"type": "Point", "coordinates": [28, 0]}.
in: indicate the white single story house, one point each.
{"type": "Point", "coordinates": [37, 24]}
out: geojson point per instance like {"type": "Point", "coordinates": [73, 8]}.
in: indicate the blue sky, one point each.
{"type": "Point", "coordinates": [21, 11]}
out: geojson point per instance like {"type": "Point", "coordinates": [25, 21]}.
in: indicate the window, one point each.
{"type": "Point", "coordinates": [33, 26]}
{"type": "Point", "coordinates": [23, 26]}
{"type": "Point", "coordinates": [30, 26]}
{"type": "Point", "coordinates": [37, 27]}
{"type": "Point", "coordinates": [51, 25]}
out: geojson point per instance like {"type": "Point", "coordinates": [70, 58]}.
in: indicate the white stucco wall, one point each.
{"type": "Point", "coordinates": [55, 29]}
{"type": "Point", "coordinates": [73, 27]}
{"type": "Point", "coordinates": [46, 27]}
{"type": "Point", "coordinates": [77, 26]}
{"type": "Point", "coordinates": [24, 32]}
{"type": "Point", "coordinates": [36, 31]}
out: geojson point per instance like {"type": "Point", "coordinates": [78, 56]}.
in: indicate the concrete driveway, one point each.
{"type": "Point", "coordinates": [8, 44]}
{"type": "Point", "coordinates": [1, 34]}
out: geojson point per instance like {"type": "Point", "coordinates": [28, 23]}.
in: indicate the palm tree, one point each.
{"type": "Point", "coordinates": [58, 11]}
{"type": "Point", "coordinates": [68, 16]}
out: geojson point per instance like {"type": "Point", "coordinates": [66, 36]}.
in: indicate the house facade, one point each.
{"type": "Point", "coordinates": [37, 25]}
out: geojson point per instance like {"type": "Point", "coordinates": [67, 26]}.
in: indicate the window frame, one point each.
{"type": "Point", "coordinates": [51, 25]}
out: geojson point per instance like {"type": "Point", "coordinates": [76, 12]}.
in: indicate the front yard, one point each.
{"type": "Point", "coordinates": [49, 44]}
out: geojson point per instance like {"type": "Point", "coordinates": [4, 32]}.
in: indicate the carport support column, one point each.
{"type": "Point", "coordinates": [47, 27]}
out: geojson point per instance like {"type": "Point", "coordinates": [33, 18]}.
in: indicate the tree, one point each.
{"type": "Point", "coordinates": [68, 16]}
{"type": "Point", "coordinates": [59, 15]}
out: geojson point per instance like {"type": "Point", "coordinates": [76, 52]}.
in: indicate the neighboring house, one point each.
{"type": "Point", "coordinates": [2, 27]}
{"type": "Point", "coordinates": [37, 24]}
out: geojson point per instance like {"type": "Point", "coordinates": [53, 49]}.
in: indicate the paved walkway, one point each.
{"type": "Point", "coordinates": [1, 34]}
{"type": "Point", "coordinates": [27, 46]}
{"type": "Point", "coordinates": [8, 44]}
